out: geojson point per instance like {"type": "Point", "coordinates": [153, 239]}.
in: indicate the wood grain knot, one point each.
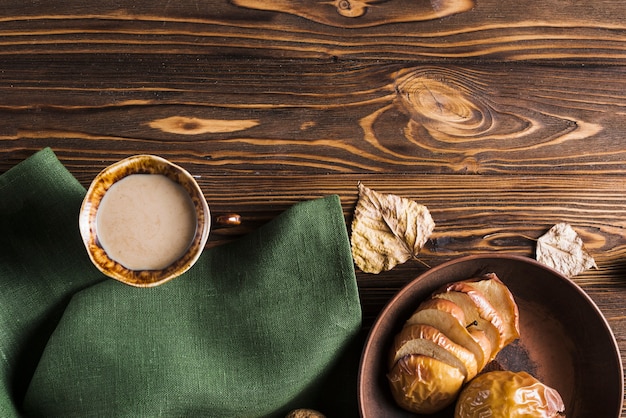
{"type": "Point", "coordinates": [183, 125]}
{"type": "Point", "coordinates": [354, 8]}
{"type": "Point", "coordinates": [368, 12]}
{"type": "Point", "coordinates": [443, 107]}
{"type": "Point", "coordinates": [460, 114]}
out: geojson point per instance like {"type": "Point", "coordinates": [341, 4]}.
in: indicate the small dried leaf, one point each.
{"type": "Point", "coordinates": [562, 249]}
{"type": "Point", "coordinates": [387, 230]}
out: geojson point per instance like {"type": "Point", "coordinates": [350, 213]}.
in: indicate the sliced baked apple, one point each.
{"type": "Point", "coordinates": [449, 318]}
{"type": "Point", "coordinates": [501, 298]}
{"type": "Point", "coordinates": [449, 339]}
{"type": "Point", "coordinates": [479, 314]}
{"type": "Point", "coordinates": [429, 341]}
{"type": "Point", "coordinates": [424, 385]}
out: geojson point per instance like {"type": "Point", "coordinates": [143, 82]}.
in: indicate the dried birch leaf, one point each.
{"type": "Point", "coordinates": [387, 230]}
{"type": "Point", "coordinates": [562, 249]}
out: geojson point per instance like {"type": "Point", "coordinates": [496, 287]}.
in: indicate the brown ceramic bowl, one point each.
{"type": "Point", "coordinates": [142, 164]}
{"type": "Point", "coordinates": [565, 340]}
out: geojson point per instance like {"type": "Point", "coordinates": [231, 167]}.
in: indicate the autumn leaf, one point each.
{"type": "Point", "coordinates": [387, 230]}
{"type": "Point", "coordinates": [562, 249]}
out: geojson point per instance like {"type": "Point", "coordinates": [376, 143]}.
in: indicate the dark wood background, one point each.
{"type": "Point", "coordinates": [504, 118]}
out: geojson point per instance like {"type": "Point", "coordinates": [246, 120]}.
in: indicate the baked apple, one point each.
{"type": "Point", "coordinates": [448, 340]}
{"type": "Point", "coordinates": [423, 384]}
{"type": "Point", "coordinates": [508, 394]}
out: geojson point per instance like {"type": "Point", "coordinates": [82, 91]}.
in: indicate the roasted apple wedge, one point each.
{"type": "Point", "coordinates": [479, 314]}
{"type": "Point", "coordinates": [429, 341]}
{"type": "Point", "coordinates": [449, 318]}
{"type": "Point", "coordinates": [501, 298]}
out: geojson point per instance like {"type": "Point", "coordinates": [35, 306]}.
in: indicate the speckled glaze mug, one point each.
{"type": "Point", "coordinates": [144, 221]}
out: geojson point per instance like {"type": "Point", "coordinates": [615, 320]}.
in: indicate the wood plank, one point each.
{"type": "Point", "coordinates": [558, 31]}
{"type": "Point", "coordinates": [344, 117]}
{"type": "Point", "coordinates": [502, 117]}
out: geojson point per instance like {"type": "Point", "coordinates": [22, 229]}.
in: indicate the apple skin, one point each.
{"type": "Point", "coordinates": [424, 385]}
{"type": "Point", "coordinates": [508, 394]}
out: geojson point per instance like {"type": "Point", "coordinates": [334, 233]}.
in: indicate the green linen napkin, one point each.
{"type": "Point", "coordinates": [257, 327]}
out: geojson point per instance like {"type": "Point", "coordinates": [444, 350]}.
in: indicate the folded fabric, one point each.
{"type": "Point", "coordinates": [257, 327]}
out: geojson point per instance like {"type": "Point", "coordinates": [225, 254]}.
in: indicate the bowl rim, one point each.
{"type": "Point", "coordinates": [390, 305]}
{"type": "Point", "coordinates": [142, 164]}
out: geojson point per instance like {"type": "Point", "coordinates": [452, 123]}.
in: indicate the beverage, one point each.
{"type": "Point", "coordinates": [146, 221]}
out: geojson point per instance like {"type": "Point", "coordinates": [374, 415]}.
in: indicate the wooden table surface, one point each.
{"type": "Point", "coordinates": [503, 118]}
